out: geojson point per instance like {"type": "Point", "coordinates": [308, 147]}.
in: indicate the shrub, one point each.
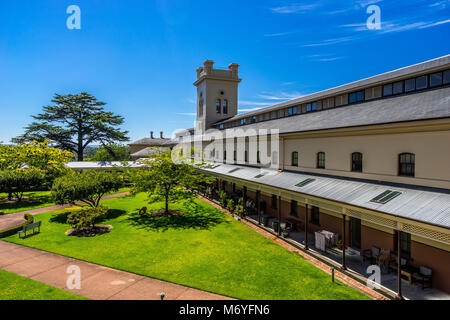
{"type": "Point", "coordinates": [230, 205]}
{"type": "Point", "coordinates": [88, 187]}
{"type": "Point", "coordinates": [18, 181]}
{"type": "Point", "coordinates": [223, 198]}
{"type": "Point", "coordinates": [86, 218]}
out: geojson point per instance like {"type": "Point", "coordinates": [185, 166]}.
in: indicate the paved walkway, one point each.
{"type": "Point", "coordinates": [13, 219]}
{"type": "Point", "coordinates": [97, 282]}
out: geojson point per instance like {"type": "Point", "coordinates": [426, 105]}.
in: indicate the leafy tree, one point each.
{"type": "Point", "coordinates": [111, 152]}
{"type": "Point", "coordinates": [166, 180]}
{"type": "Point", "coordinates": [16, 182]}
{"type": "Point", "coordinates": [88, 187]}
{"type": "Point", "coordinates": [75, 121]}
{"type": "Point", "coordinates": [86, 218]}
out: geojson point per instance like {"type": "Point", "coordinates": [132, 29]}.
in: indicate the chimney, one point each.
{"type": "Point", "coordinates": [208, 66]}
{"type": "Point", "coordinates": [233, 67]}
{"type": "Point", "coordinates": [161, 135]}
{"type": "Point", "coordinates": [151, 134]}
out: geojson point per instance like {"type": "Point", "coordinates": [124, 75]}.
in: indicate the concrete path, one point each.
{"type": "Point", "coordinates": [13, 219]}
{"type": "Point", "coordinates": [97, 282]}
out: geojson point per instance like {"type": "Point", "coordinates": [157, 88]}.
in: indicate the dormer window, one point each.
{"type": "Point", "coordinates": [218, 105]}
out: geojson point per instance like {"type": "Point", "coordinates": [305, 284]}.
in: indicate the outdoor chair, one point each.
{"type": "Point", "coordinates": [393, 264]}
{"type": "Point", "coordinates": [371, 254]}
{"type": "Point", "coordinates": [424, 277]}
{"type": "Point", "coordinates": [285, 230]}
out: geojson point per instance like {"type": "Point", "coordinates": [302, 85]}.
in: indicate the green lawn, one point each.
{"type": "Point", "coordinates": [15, 287]}
{"type": "Point", "coordinates": [32, 200]}
{"type": "Point", "coordinates": [202, 248]}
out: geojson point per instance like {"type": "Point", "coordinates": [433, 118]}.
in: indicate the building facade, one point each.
{"type": "Point", "coordinates": [368, 160]}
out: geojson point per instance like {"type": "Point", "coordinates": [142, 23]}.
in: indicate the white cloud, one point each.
{"type": "Point", "coordinates": [280, 96]}
{"type": "Point", "coordinates": [295, 8]}
{"type": "Point", "coordinates": [248, 110]}
{"type": "Point", "coordinates": [330, 42]}
{"type": "Point", "coordinates": [191, 114]}
{"type": "Point", "coordinates": [434, 24]}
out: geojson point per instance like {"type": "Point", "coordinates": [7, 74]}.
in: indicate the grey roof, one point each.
{"type": "Point", "coordinates": [154, 142]}
{"type": "Point", "coordinates": [148, 151]}
{"type": "Point", "coordinates": [420, 205]}
{"type": "Point", "coordinates": [102, 164]}
{"type": "Point", "coordinates": [419, 106]}
{"type": "Point", "coordinates": [402, 73]}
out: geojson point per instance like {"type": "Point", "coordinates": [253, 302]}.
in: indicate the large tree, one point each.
{"type": "Point", "coordinates": [167, 180]}
{"type": "Point", "coordinates": [75, 121]}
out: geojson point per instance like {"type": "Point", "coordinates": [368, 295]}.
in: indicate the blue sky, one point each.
{"type": "Point", "coordinates": [140, 56]}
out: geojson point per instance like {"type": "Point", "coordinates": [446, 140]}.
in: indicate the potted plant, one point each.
{"type": "Point", "coordinates": [339, 244]}
{"type": "Point", "coordinates": [230, 205]}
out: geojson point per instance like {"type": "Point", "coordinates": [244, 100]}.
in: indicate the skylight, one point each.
{"type": "Point", "coordinates": [386, 196]}
{"type": "Point", "coordinates": [260, 175]}
{"type": "Point", "coordinates": [234, 170]}
{"type": "Point", "coordinates": [305, 182]}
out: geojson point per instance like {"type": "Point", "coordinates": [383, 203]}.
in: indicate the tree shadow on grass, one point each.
{"type": "Point", "coordinates": [30, 200]}
{"type": "Point", "coordinates": [62, 216]}
{"type": "Point", "coordinates": [193, 216]}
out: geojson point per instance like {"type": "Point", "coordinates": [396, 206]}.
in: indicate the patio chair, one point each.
{"type": "Point", "coordinates": [393, 264]}
{"type": "Point", "coordinates": [371, 254]}
{"type": "Point", "coordinates": [285, 230]}
{"type": "Point", "coordinates": [424, 277]}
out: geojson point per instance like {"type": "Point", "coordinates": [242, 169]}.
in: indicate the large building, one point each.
{"type": "Point", "coordinates": [368, 160]}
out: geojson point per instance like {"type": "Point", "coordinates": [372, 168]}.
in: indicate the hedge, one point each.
{"type": "Point", "coordinates": [8, 232]}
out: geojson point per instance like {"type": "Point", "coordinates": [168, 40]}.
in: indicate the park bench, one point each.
{"type": "Point", "coordinates": [32, 226]}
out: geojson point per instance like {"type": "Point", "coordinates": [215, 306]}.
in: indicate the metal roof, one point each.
{"type": "Point", "coordinates": [102, 164]}
{"type": "Point", "coordinates": [431, 104]}
{"type": "Point", "coordinates": [420, 205]}
{"type": "Point", "coordinates": [149, 151]}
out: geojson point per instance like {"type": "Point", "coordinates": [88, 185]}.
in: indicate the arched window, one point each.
{"type": "Point", "coordinates": [406, 164]}
{"type": "Point", "coordinates": [218, 105]}
{"type": "Point", "coordinates": [246, 156]}
{"type": "Point", "coordinates": [225, 106]}
{"type": "Point", "coordinates": [294, 161]}
{"type": "Point", "coordinates": [321, 160]}
{"type": "Point", "coordinates": [357, 161]}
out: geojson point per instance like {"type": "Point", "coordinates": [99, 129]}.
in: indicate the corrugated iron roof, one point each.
{"type": "Point", "coordinates": [420, 205]}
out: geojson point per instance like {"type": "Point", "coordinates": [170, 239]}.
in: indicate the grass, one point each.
{"type": "Point", "coordinates": [15, 287]}
{"type": "Point", "coordinates": [32, 200]}
{"type": "Point", "coordinates": [202, 248]}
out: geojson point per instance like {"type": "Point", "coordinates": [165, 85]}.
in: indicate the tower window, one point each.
{"type": "Point", "coordinates": [406, 164]}
{"type": "Point", "coordinates": [218, 103]}
{"type": "Point", "coordinates": [357, 161]}
{"type": "Point", "coordinates": [321, 160]}
{"type": "Point", "coordinates": [225, 106]}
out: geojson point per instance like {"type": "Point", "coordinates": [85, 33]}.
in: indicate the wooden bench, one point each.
{"type": "Point", "coordinates": [32, 226]}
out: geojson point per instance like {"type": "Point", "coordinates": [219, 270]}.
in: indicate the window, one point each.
{"type": "Point", "coordinates": [253, 119]}
{"type": "Point", "coordinates": [315, 214]}
{"type": "Point", "coordinates": [397, 87]}
{"type": "Point", "coordinates": [274, 202]}
{"type": "Point", "coordinates": [321, 160]}
{"type": "Point", "coordinates": [447, 77]}
{"type": "Point", "coordinates": [421, 82]}
{"type": "Point", "coordinates": [311, 106]}
{"type": "Point", "coordinates": [357, 161]}
{"type": "Point", "coordinates": [436, 79]}
{"type": "Point", "coordinates": [305, 182]}
{"type": "Point", "coordinates": [386, 196]}
{"type": "Point", "coordinates": [387, 90]}
{"type": "Point", "coordinates": [221, 126]}
{"type": "Point", "coordinates": [274, 157]}
{"type": "Point", "coordinates": [258, 158]}
{"type": "Point", "coordinates": [224, 155]}
{"type": "Point", "coordinates": [294, 159]}
{"type": "Point", "coordinates": [405, 244]}
{"type": "Point", "coordinates": [225, 106]}
{"type": "Point", "coordinates": [234, 155]}
{"type": "Point", "coordinates": [246, 156]}
{"type": "Point", "coordinates": [406, 164]}
{"type": "Point", "coordinates": [243, 121]}
{"type": "Point", "coordinates": [218, 105]}
{"type": "Point", "coordinates": [294, 208]}
{"type": "Point", "coordinates": [356, 97]}
{"type": "Point", "coordinates": [292, 111]}
{"type": "Point", "coordinates": [410, 85]}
